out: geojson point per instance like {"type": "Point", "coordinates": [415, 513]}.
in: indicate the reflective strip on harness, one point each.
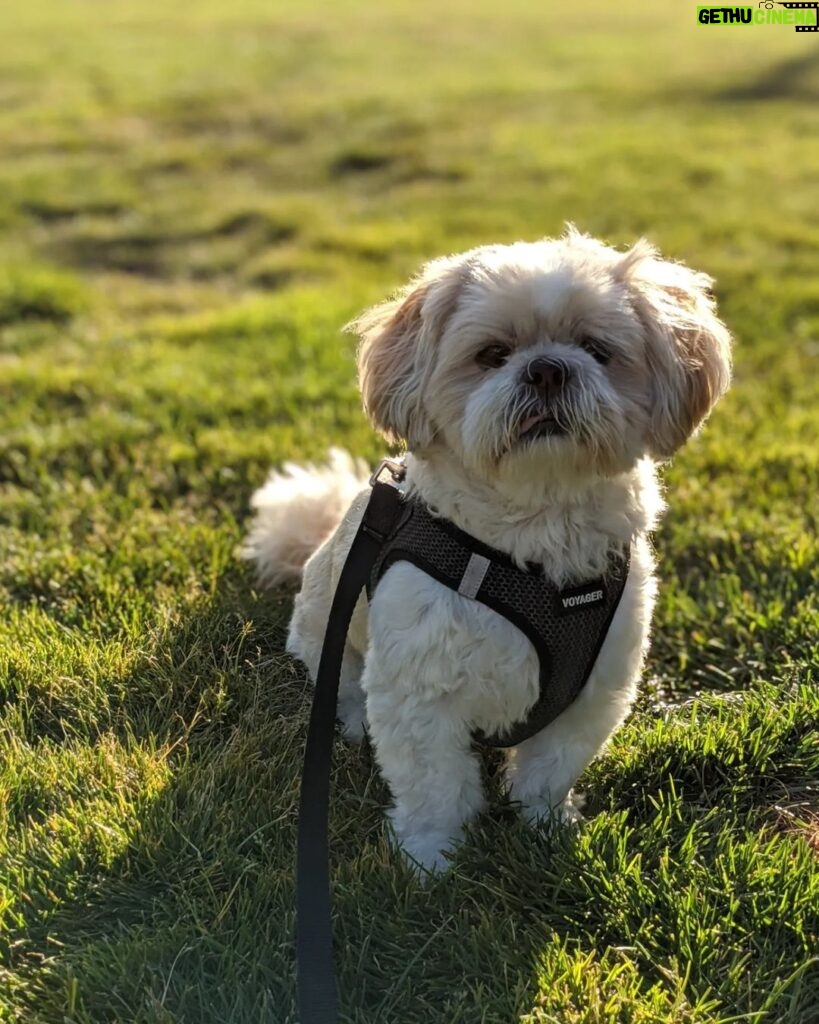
{"type": "Point", "coordinates": [473, 575]}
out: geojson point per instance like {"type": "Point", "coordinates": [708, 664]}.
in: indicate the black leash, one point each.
{"type": "Point", "coordinates": [318, 1003]}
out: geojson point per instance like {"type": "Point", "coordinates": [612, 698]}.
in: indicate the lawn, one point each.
{"type": "Point", "coordinates": [193, 199]}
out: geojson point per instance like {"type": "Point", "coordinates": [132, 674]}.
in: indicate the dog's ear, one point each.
{"type": "Point", "coordinates": [397, 351]}
{"type": "Point", "coordinates": [688, 348]}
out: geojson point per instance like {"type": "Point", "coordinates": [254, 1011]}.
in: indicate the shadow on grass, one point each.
{"type": "Point", "coordinates": [796, 78]}
{"type": "Point", "coordinates": [194, 921]}
{"type": "Point", "coordinates": [155, 252]}
{"type": "Point", "coordinates": [227, 705]}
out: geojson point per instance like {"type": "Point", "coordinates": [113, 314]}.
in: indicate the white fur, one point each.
{"type": "Point", "coordinates": [425, 666]}
{"type": "Point", "coordinates": [298, 508]}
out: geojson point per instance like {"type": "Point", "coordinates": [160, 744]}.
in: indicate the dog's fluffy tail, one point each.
{"type": "Point", "coordinates": [296, 510]}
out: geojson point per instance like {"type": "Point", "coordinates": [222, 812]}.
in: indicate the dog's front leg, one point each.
{"type": "Point", "coordinates": [422, 745]}
{"type": "Point", "coordinates": [351, 703]}
{"type": "Point", "coordinates": [541, 771]}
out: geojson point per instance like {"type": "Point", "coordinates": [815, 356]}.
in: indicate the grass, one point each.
{"type": "Point", "coordinates": [193, 199]}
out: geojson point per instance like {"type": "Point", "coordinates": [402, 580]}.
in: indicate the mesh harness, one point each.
{"type": "Point", "coordinates": [566, 626]}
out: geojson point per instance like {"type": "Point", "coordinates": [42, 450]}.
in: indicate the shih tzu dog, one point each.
{"type": "Point", "coordinates": [535, 386]}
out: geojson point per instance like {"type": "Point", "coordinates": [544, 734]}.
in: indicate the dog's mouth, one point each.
{"type": "Point", "coordinates": [543, 424]}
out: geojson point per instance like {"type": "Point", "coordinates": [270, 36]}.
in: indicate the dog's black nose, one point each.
{"type": "Point", "coordinates": [547, 375]}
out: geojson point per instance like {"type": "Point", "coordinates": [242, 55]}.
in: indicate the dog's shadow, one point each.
{"type": "Point", "coordinates": [194, 919]}
{"type": "Point", "coordinates": [191, 918]}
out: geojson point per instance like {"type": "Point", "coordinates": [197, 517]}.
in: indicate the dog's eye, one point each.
{"type": "Point", "coordinates": [493, 356]}
{"type": "Point", "coordinates": [596, 350]}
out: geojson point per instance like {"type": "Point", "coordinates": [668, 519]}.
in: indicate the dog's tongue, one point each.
{"type": "Point", "coordinates": [530, 421]}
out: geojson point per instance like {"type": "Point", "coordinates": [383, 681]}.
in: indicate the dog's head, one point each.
{"type": "Point", "coordinates": [564, 353]}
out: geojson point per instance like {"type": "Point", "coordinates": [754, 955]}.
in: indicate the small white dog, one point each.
{"type": "Point", "coordinates": [534, 385]}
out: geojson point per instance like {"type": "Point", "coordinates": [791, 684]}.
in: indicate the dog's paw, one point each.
{"type": "Point", "coordinates": [567, 812]}
{"type": "Point", "coordinates": [352, 714]}
{"type": "Point", "coordinates": [427, 851]}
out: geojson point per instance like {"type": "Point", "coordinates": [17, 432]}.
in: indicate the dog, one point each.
{"type": "Point", "coordinates": [535, 387]}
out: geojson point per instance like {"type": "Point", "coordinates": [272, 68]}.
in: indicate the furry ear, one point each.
{"type": "Point", "coordinates": [688, 348]}
{"type": "Point", "coordinates": [397, 352]}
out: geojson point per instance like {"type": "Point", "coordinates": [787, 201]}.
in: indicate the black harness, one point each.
{"type": "Point", "coordinates": [567, 628]}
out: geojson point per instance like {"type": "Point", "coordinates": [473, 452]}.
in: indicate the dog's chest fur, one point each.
{"type": "Point", "coordinates": [480, 659]}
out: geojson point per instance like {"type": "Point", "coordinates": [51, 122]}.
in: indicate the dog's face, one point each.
{"type": "Point", "coordinates": [563, 356]}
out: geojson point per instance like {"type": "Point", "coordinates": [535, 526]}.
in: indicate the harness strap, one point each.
{"type": "Point", "coordinates": [318, 1002]}
{"type": "Point", "coordinates": [566, 626]}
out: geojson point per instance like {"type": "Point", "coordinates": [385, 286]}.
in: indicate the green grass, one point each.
{"type": "Point", "coordinates": [193, 200]}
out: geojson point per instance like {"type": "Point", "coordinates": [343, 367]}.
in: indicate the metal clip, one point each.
{"type": "Point", "coordinates": [397, 471]}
